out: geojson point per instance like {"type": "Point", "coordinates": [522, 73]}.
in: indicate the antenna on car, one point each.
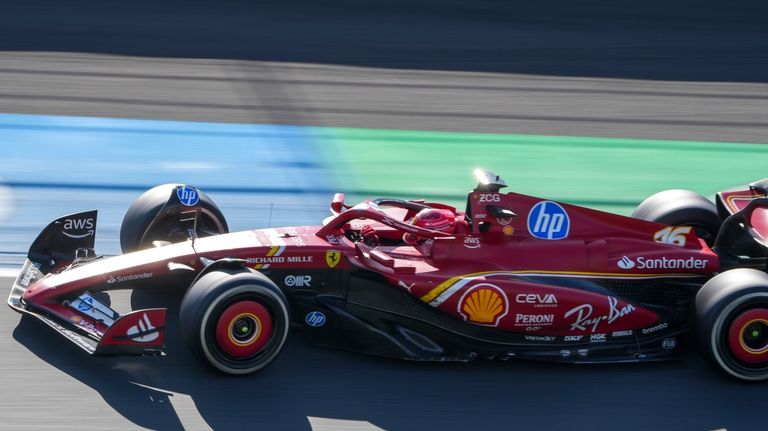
{"type": "Point", "coordinates": [191, 215]}
{"type": "Point", "coordinates": [488, 181]}
{"type": "Point", "coordinates": [189, 198]}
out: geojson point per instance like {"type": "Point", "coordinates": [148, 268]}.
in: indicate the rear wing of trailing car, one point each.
{"type": "Point", "coordinates": [743, 236]}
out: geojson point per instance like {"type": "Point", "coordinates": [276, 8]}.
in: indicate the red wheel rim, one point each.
{"type": "Point", "coordinates": [748, 336]}
{"type": "Point", "coordinates": [243, 329]}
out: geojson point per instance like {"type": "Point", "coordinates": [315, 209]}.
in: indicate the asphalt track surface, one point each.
{"type": "Point", "coordinates": [50, 384]}
{"type": "Point", "coordinates": [693, 71]}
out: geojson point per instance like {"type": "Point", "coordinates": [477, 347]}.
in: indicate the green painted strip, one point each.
{"type": "Point", "coordinates": [606, 173]}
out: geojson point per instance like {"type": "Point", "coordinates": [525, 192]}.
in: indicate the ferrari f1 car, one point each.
{"type": "Point", "coordinates": [512, 276]}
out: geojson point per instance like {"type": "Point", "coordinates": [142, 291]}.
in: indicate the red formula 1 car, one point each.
{"type": "Point", "coordinates": [511, 277]}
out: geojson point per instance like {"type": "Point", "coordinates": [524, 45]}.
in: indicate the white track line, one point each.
{"type": "Point", "coordinates": [326, 424]}
{"type": "Point", "coordinates": [9, 272]}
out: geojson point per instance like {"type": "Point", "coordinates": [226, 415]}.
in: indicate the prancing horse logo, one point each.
{"type": "Point", "coordinates": [332, 258]}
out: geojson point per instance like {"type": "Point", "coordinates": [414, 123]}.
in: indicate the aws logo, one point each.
{"type": "Point", "coordinates": [484, 304]}
{"type": "Point", "coordinates": [79, 227]}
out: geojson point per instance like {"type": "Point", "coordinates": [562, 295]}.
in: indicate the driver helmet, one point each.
{"type": "Point", "coordinates": [441, 220]}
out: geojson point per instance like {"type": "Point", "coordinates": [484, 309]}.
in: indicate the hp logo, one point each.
{"type": "Point", "coordinates": [548, 220]}
{"type": "Point", "coordinates": [315, 319]}
{"type": "Point", "coordinates": [188, 195]}
{"type": "Point", "coordinates": [85, 304]}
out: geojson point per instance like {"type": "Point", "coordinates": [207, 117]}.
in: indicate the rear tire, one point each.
{"type": "Point", "coordinates": [732, 323]}
{"type": "Point", "coordinates": [682, 208]}
{"type": "Point", "coordinates": [142, 213]}
{"type": "Point", "coordinates": [234, 320]}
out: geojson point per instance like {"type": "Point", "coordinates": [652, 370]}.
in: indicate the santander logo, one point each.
{"type": "Point", "coordinates": [626, 263]}
{"type": "Point", "coordinates": [662, 263]}
{"type": "Point", "coordinates": [142, 331]}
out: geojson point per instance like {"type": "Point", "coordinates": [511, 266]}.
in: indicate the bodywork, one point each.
{"type": "Point", "coordinates": [520, 277]}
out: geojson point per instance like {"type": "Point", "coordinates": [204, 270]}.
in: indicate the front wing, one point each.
{"type": "Point", "coordinates": [90, 324]}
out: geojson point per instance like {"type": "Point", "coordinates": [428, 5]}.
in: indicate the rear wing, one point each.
{"type": "Point", "coordinates": [743, 236]}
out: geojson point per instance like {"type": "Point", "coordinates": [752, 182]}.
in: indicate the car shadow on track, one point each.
{"type": "Point", "coordinates": [307, 381]}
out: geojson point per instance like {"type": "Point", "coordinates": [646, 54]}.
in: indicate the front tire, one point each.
{"type": "Point", "coordinates": [682, 208]}
{"type": "Point", "coordinates": [143, 222]}
{"type": "Point", "coordinates": [234, 320]}
{"type": "Point", "coordinates": [732, 323]}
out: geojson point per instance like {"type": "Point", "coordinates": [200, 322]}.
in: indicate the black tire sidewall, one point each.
{"type": "Point", "coordinates": [681, 208]}
{"type": "Point", "coordinates": [147, 206]}
{"type": "Point", "coordinates": [210, 295]}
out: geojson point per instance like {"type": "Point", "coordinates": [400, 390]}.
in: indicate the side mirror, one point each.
{"type": "Point", "coordinates": [760, 186]}
{"type": "Point", "coordinates": [500, 212]}
{"type": "Point", "coordinates": [337, 204]}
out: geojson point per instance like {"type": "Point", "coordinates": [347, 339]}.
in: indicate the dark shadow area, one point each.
{"type": "Point", "coordinates": [396, 395]}
{"type": "Point", "coordinates": [656, 39]}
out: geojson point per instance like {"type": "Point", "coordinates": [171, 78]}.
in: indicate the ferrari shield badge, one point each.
{"type": "Point", "coordinates": [332, 258]}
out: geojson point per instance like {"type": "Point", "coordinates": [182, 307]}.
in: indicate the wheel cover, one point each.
{"type": "Point", "coordinates": [748, 336]}
{"type": "Point", "coordinates": [167, 229]}
{"type": "Point", "coordinates": [243, 329]}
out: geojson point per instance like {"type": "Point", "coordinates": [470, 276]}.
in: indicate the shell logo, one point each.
{"type": "Point", "coordinates": [484, 304]}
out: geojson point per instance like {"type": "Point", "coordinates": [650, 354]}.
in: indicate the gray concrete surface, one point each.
{"type": "Point", "coordinates": [342, 96]}
{"type": "Point", "coordinates": [49, 384]}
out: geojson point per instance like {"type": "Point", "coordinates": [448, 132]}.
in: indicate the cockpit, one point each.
{"type": "Point", "coordinates": [393, 222]}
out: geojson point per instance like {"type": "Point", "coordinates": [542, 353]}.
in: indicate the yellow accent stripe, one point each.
{"type": "Point", "coordinates": [442, 287]}
{"type": "Point", "coordinates": [732, 204]}
{"type": "Point", "coordinates": [273, 250]}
